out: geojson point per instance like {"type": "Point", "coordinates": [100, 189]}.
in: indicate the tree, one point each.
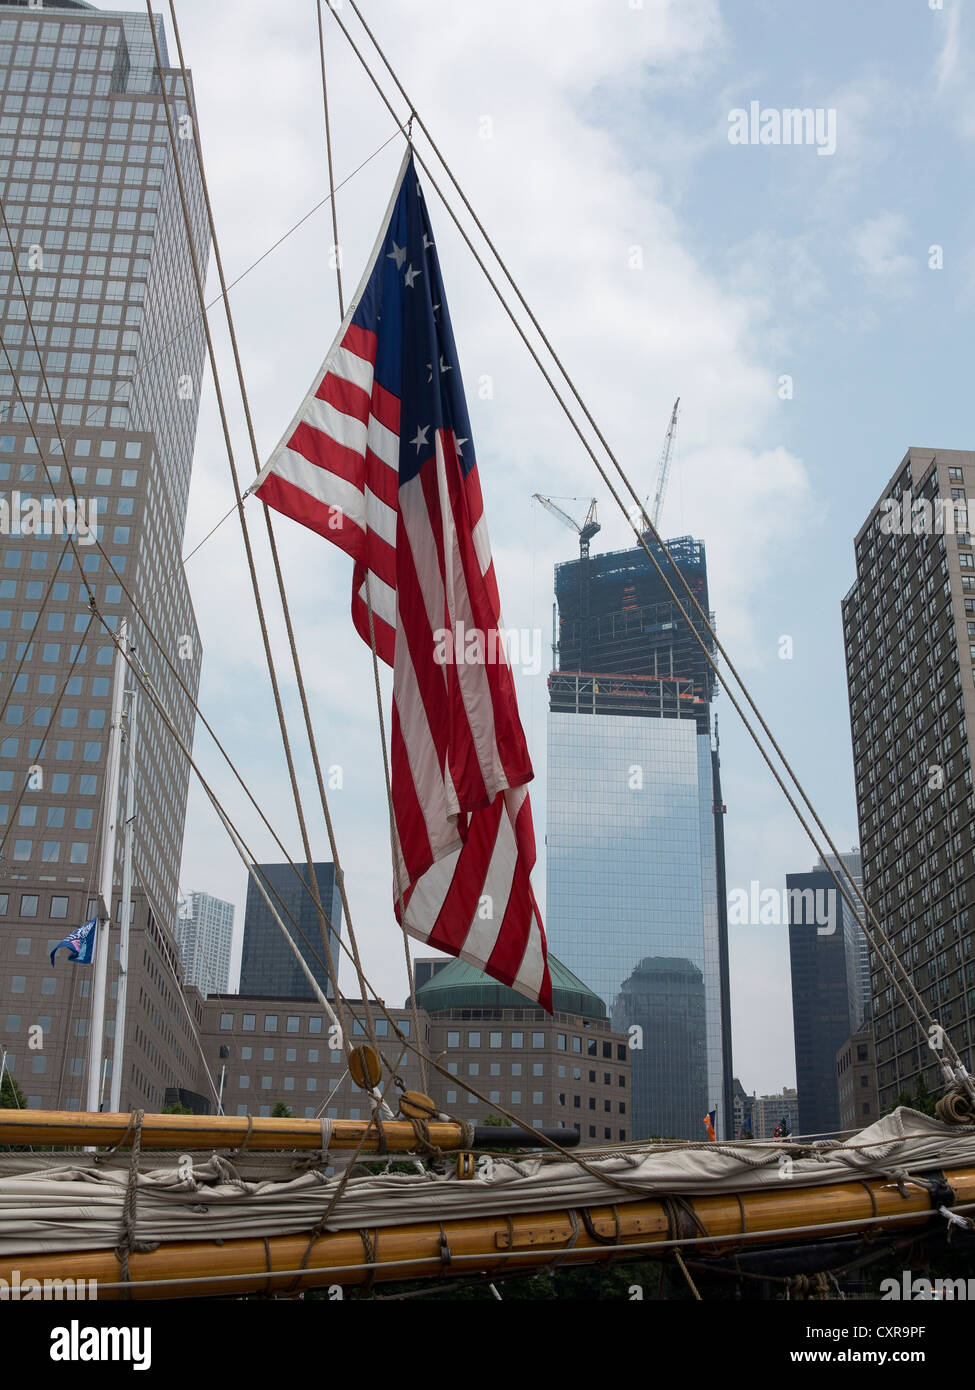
{"type": "Point", "coordinates": [177, 1108]}
{"type": "Point", "coordinates": [922, 1100]}
{"type": "Point", "coordinates": [11, 1096]}
{"type": "Point", "coordinates": [281, 1111]}
{"type": "Point", "coordinates": [498, 1121]}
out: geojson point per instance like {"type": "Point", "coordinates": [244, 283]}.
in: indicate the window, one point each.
{"type": "Point", "coordinates": [473, 1040]}
{"type": "Point", "coordinates": [315, 1025]}
{"type": "Point", "coordinates": [538, 1039]}
{"type": "Point", "coordinates": [28, 905]}
{"type": "Point", "coordinates": [495, 1040]}
{"type": "Point", "coordinates": [269, 1054]}
{"type": "Point", "coordinates": [453, 1040]}
{"type": "Point", "coordinates": [226, 1022]}
{"type": "Point", "coordinates": [249, 1023]}
{"type": "Point", "coordinates": [59, 907]}
{"type": "Point", "coordinates": [23, 946]}
{"type": "Point", "coordinates": [560, 1041]}
{"type": "Point", "coordinates": [294, 1023]}
{"type": "Point", "coordinates": [270, 1023]}
{"type": "Point", "coordinates": [517, 1040]}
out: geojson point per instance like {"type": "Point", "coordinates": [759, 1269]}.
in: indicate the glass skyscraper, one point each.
{"type": "Point", "coordinates": [268, 964]}
{"type": "Point", "coordinates": [88, 184]}
{"type": "Point", "coordinates": [96, 289]}
{"type": "Point", "coordinates": [636, 902]}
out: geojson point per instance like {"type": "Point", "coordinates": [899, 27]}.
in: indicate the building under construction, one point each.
{"type": "Point", "coordinates": [637, 900]}
{"type": "Point", "coordinates": [620, 644]}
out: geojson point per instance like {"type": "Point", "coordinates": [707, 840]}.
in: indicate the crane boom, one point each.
{"type": "Point", "coordinates": [663, 467]}
{"type": "Point", "coordinates": [550, 506]}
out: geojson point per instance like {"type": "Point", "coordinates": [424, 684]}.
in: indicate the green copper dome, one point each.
{"type": "Point", "coordinates": [462, 986]}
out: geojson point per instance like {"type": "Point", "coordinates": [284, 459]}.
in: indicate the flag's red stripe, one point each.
{"type": "Point", "coordinates": [460, 906]}
{"type": "Point", "coordinates": [362, 341]}
{"type": "Point", "coordinates": [292, 501]}
{"type": "Point", "coordinates": [410, 821]}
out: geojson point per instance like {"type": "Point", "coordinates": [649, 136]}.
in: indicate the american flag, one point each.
{"type": "Point", "coordinates": [379, 460]}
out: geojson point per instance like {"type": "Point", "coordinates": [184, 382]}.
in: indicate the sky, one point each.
{"type": "Point", "coordinates": [809, 302]}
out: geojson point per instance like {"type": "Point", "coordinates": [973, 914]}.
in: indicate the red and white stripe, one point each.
{"type": "Point", "coordinates": [465, 844]}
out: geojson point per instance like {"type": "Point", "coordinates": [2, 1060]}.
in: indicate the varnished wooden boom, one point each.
{"type": "Point", "coordinates": [493, 1244]}
{"type": "Point", "coordinates": [72, 1128]}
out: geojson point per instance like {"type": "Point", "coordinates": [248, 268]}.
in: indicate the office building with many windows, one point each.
{"type": "Point", "coordinates": [99, 394]}
{"type": "Point", "coordinates": [909, 631]}
{"type": "Point", "coordinates": [204, 935]}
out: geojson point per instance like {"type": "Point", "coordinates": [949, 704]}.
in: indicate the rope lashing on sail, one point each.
{"type": "Point", "coordinates": [129, 1245]}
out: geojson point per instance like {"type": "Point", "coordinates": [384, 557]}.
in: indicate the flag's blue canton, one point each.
{"type": "Point", "coordinates": [416, 360]}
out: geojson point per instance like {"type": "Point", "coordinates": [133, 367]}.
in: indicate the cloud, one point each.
{"type": "Point", "coordinates": [876, 244]}
{"type": "Point", "coordinates": [568, 185]}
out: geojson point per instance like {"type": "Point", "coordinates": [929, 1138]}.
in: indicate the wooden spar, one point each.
{"type": "Point", "coordinates": [491, 1244]}
{"type": "Point", "coordinates": [74, 1128]}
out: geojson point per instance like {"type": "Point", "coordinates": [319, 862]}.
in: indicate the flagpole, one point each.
{"type": "Point", "coordinates": [109, 824]}
{"type": "Point", "coordinates": [115, 1102]}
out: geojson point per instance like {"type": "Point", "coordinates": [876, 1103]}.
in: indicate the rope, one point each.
{"type": "Point", "coordinates": [129, 1245]}
{"type": "Point", "coordinates": [875, 928]}
{"type": "Point", "coordinates": [956, 1108]}
{"type": "Point", "coordinates": [282, 594]}
{"type": "Point", "coordinates": [245, 532]}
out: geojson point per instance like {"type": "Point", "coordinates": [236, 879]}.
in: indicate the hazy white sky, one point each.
{"type": "Point", "coordinates": [663, 260]}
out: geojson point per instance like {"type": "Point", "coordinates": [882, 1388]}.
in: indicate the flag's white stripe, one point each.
{"type": "Point", "coordinates": [351, 367]}
{"type": "Point", "coordinates": [482, 544]}
{"type": "Point", "coordinates": [384, 444]}
{"type": "Point", "coordinates": [363, 509]}
{"type": "Point", "coordinates": [381, 518]}
{"type": "Point", "coordinates": [482, 934]}
{"type": "Point", "coordinates": [325, 487]}
{"type": "Point", "coordinates": [419, 533]}
{"type": "Point", "coordinates": [429, 896]}
{"type": "Point", "coordinates": [531, 972]}
{"type": "Point", "coordinates": [383, 598]}
{"type": "Point", "coordinates": [343, 429]}
{"type": "Point", "coordinates": [421, 752]}
{"type": "Point", "coordinates": [473, 680]}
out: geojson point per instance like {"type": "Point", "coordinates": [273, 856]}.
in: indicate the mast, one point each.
{"type": "Point", "coordinates": [115, 1103]}
{"type": "Point", "coordinates": [109, 825]}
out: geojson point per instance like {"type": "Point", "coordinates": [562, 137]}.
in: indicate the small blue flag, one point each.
{"type": "Point", "coordinates": [81, 943]}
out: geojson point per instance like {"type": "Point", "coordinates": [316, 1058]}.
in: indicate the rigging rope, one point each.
{"type": "Point", "coordinates": [955, 1073]}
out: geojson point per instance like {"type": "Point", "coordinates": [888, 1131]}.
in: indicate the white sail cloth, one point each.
{"type": "Point", "coordinates": [51, 1202]}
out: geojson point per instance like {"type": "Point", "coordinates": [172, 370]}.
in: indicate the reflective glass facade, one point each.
{"type": "Point", "coordinates": [268, 964]}
{"type": "Point", "coordinates": [632, 878]}
{"type": "Point", "coordinates": [105, 302]}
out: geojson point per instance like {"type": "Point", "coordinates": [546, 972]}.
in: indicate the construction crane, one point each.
{"type": "Point", "coordinates": [586, 532]}
{"type": "Point", "coordinates": [663, 467]}
{"type": "Point", "coordinates": [588, 528]}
